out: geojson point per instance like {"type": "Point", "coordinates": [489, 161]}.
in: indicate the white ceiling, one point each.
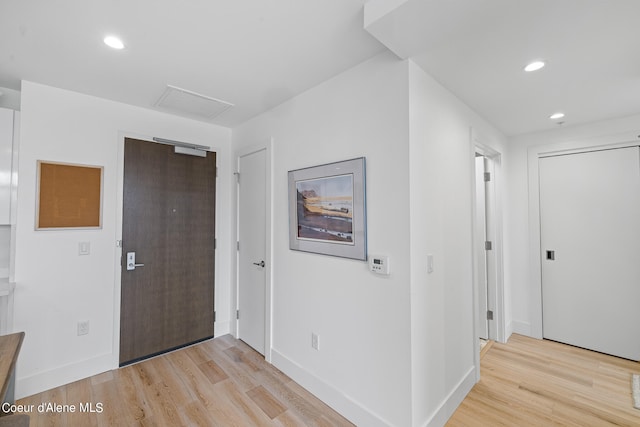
{"type": "Point", "coordinates": [256, 54]}
{"type": "Point", "coordinates": [478, 49]}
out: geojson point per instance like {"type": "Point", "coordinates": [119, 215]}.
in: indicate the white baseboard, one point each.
{"type": "Point", "coordinates": [519, 327]}
{"type": "Point", "coordinates": [336, 399]}
{"type": "Point", "coordinates": [221, 328]}
{"type": "Point", "coordinates": [453, 400]}
{"type": "Point", "coordinates": [508, 331]}
{"type": "Point", "coordinates": [37, 383]}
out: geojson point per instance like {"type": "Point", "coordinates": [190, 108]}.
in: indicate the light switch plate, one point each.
{"type": "Point", "coordinates": [84, 248]}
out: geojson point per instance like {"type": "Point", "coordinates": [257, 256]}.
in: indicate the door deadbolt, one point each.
{"type": "Point", "coordinates": [551, 255]}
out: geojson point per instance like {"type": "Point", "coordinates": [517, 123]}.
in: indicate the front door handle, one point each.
{"type": "Point", "coordinates": [131, 261]}
{"type": "Point", "coordinates": [261, 263]}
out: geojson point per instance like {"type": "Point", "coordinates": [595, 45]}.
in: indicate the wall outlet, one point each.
{"type": "Point", "coordinates": [315, 341]}
{"type": "Point", "coordinates": [83, 327]}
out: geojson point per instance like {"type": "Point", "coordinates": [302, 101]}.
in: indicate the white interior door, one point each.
{"type": "Point", "coordinates": [590, 236]}
{"type": "Point", "coordinates": [482, 325]}
{"type": "Point", "coordinates": [252, 248]}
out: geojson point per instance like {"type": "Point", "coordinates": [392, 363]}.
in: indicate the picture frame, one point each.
{"type": "Point", "coordinates": [327, 209]}
{"type": "Point", "coordinates": [69, 196]}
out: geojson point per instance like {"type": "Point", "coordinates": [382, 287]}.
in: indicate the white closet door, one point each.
{"type": "Point", "coordinates": [590, 220]}
{"type": "Point", "coordinates": [252, 234]}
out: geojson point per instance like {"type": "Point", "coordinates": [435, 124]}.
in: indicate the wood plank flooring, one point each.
{"type": "Point", "coordinates": [220, 382]}
{"type": "Point", "coordinates": [529, 382]}
{"type": "Point", "coordinates": [223, 382]}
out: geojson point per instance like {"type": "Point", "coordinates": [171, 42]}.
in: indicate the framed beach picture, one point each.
{"type": "Point", "coordinates": [327, 209]}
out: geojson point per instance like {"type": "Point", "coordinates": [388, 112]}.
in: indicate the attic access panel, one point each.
{"type": "Point", "coordinates": [69, 196]}
{"type": "Point", "coordinates": [191, 104]}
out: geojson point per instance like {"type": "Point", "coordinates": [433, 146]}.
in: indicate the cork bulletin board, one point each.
{"type": "Point", "coordinates": [69, 196]}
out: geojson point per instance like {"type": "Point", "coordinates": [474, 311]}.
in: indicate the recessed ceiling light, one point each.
{"type": "Point", "coordinates": [534, 66]}
{"type": "Point", "coordinates": [556, 116]}
{"type": "Point", "coordinates": [113, 42]}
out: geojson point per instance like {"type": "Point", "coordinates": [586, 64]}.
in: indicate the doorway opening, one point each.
{"type": "Point", "coordinates": [487, 247]}
{"type": "Point", "coordinates": [483, 246]}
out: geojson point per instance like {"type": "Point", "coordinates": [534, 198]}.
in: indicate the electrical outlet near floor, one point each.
{"type": "Point", "coordinates": [83, 327]}
{"type": "Point", "coordinates": [315, 341]}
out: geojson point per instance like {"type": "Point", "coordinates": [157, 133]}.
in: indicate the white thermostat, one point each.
{"type": "Point", "coordinates": [379, 264]}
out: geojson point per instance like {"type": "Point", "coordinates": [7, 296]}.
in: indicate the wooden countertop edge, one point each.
{"type": "Point", "coordinates": [9, 347]}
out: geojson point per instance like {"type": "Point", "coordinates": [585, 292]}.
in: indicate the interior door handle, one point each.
{"type": "Point", "coordinates": [131, 261]}
{"type": "Point", "coordinates": [261, 263]}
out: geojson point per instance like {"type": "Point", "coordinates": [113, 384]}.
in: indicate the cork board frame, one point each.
{"type": "Point", "coordinates": [69, 196]}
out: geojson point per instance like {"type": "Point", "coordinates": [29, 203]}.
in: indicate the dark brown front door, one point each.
{"type": "Point", "coordinates": [168, 222]}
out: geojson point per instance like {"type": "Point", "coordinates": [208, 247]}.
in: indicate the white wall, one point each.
{"type": "Point", "coordinates": [55, 288]}
{"type": "Point", "coordinates": [10, 98]}
{"type": "Point", "coordinates": [519, 271]}
{"type": "Point", "coordinates": [397, 350]}
{"type": "Point", "coordinates": [363, 366]}
{"type": "Point", "coordinates": [441, 164]}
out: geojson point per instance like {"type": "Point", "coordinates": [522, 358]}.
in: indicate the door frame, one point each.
{"type": "Point", "coordinates": [118, 235]}
{"type": "Point", "coordinates": [495, 277]}
{"type": "Point", "coordinates": [481, 234]}
{"type": "Point", "coordinates": [534, 153]}
{"type": "Point", "coordinates": [268, 333]}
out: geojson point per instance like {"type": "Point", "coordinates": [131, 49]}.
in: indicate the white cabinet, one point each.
{"type": "Point", "coordinates": [6, 305]}
{"type": "Point", "coordinates": [6, 156]}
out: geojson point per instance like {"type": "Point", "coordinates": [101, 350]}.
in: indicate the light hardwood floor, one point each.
{"type": "Point", "coordinates": [223, 382]}
{"type": "Point", "coordinates": [529, 382]}
{"type": "Point", "coordinates": [220, 382]}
